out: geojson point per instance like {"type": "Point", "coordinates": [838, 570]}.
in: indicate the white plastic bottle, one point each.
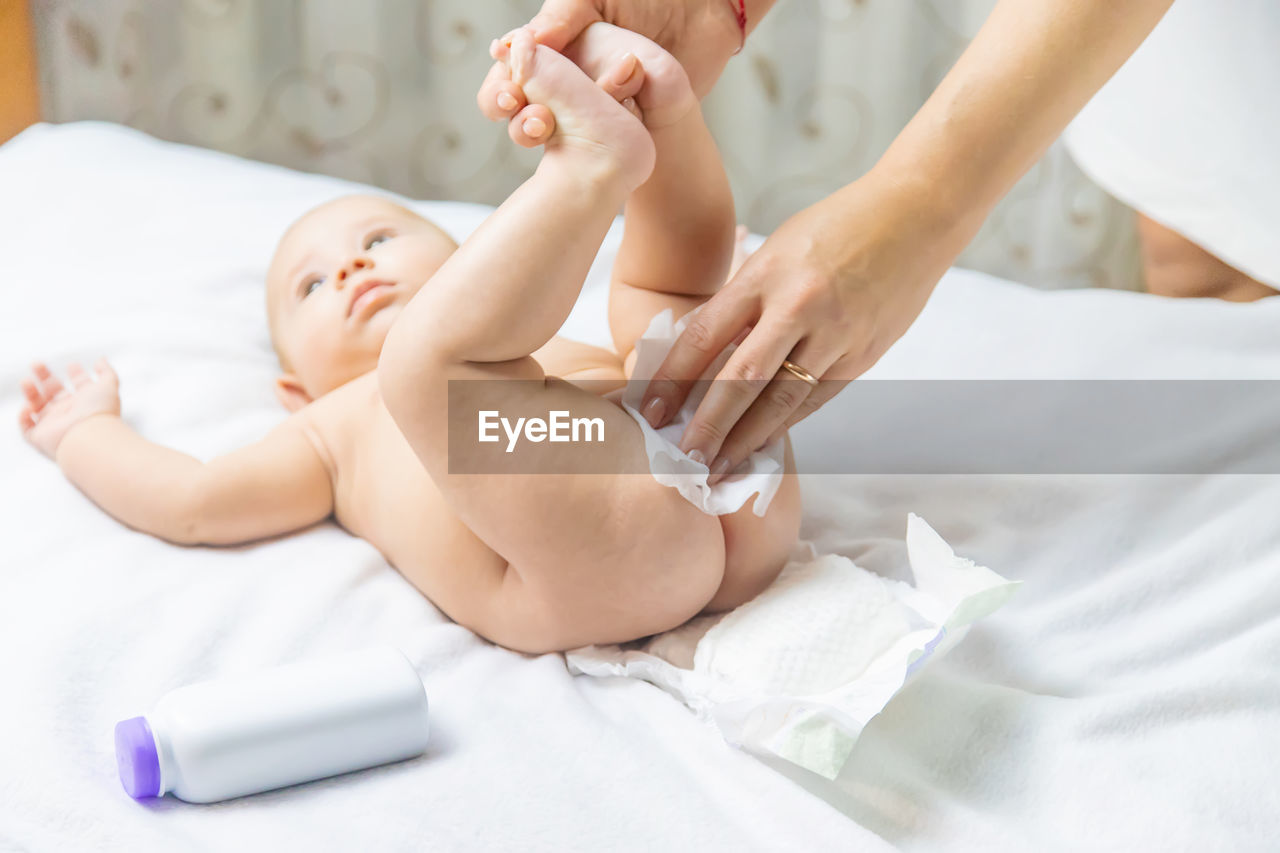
{"type": "Point", "coordinates": [227, 738]}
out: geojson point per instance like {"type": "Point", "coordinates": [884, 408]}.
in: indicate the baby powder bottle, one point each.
{"type": "Point", "coordinates": [226, 738]}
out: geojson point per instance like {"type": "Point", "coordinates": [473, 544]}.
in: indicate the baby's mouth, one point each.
{"type": "Point", "coordinates": [365, 292]}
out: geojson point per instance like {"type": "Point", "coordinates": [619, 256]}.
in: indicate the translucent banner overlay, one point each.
{"type": "Point", "coordinates": [898, 427]}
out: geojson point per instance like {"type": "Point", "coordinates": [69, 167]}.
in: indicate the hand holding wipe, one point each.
{"type": "Point", "coordinates": [227, 738]}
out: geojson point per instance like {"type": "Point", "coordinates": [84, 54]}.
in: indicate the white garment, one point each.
{"type": "Point", "coordinates": [1186, 132]}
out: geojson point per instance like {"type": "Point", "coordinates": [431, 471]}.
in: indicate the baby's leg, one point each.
{"type": "Point", "coordinates": [593, 555]}
{"type": "Point", "coordinates": [679, 234]}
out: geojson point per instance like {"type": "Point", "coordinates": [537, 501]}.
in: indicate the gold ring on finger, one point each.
{"type": "Point", "coordinates": [799, 372]}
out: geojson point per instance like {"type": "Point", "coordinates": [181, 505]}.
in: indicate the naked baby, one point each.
{"type": "Point", "coordinates": [374, 311]}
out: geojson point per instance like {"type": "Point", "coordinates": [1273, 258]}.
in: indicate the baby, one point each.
{"type": "Point", "coordinates": [375, 313]}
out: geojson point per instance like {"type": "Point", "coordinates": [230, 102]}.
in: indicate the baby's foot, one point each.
{"type": "Point", "coordinates": [659, 83]}
{"type": "Point", "coordinates": [587, 119]}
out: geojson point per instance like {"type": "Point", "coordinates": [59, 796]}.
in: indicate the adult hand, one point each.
{"type": "Point", "coordinates": [701, 34]}
{"type": "Point", "coordinates": [830, 291]}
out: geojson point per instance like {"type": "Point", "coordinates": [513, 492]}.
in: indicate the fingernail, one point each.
{"type": "Point", "coordinates": [719, 469]}
{"type": "Point", "coordinates": [698, 456]}
{"type": "Point", "coordinates": [534, 127]}
{"type": "Point", "coordinates": [505, 101]}
{"type": "Point", "coordinates": [626, 68]}
{"type": "Point", "coordinates": [493, 48]}
{"type": "Point", "coordinates": [653, 411]}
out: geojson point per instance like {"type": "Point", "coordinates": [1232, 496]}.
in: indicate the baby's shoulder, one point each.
{"type": "Point", "coordinates": [346, 405]}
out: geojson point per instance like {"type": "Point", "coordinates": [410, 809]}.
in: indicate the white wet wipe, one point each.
{"type": "Point", "coordinates": [800, 670]}
{"type": "Point", "coordinates": [760, 473]}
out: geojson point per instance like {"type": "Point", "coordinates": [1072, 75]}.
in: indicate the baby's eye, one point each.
{"type": "Point", "coordinates": [375, 240]}
{"type": "Point", "coordinates": [310, 285]}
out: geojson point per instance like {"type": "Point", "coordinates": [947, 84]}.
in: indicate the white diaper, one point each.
{"type": "Point", "coordinates": [761, 472]}
{"type": "Point", "coordinates": [800, 670]}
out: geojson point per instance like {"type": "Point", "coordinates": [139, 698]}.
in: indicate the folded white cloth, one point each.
{"type": "Point", "coordinates": [800, 670]}
{"type": "Point", "coordinates": [760, 473]}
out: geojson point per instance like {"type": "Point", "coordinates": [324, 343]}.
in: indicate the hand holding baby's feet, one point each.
{"type": "Point", "coordinates": [631, 67]}
{"type": "Point", "coordinates": [584, 119]}
{"type": "Point", "coordinates": [528, 125]}
{"type": "Point", "coordinates": [635, 71]}
{"type": "Point", "coordinates": [51, 410]}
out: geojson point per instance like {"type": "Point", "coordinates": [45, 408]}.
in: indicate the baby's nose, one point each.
{"type": "Point", "coordinates": [356, 265]}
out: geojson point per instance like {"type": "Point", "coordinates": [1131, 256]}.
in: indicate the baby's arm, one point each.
{"type": "Point", "coordinates": [275, 486]}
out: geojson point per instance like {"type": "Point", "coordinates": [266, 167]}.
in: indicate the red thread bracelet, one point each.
{"type": "Point", "coordinates": [740, 12]}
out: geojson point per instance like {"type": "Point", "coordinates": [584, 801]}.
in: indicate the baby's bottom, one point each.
{"type": "Point", "coordinates": [590, 547]}
{"type": "Point", "coordinates": [1174, 266]}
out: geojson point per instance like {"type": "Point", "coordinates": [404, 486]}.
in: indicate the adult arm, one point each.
{"type": "Point", "coordinates": [839, 282]}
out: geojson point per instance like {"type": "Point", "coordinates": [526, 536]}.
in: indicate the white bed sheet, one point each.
{"type": "Point", "coordinates": [1127, 698]}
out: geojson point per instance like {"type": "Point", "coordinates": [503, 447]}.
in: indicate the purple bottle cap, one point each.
{"type": "Point", "coordinates": [137, 759]}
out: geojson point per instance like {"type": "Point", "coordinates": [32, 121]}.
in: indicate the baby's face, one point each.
{"type": "Point", "coordinates": [339, 278]}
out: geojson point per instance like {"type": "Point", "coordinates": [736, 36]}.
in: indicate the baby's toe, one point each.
{"type": "Point", "coordinates": [521, 55]}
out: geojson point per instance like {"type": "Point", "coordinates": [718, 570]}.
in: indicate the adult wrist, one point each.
{"type": "Point", "coordinates": [718, 37]}
{"type": "Point", "coordinates": [929, 200]}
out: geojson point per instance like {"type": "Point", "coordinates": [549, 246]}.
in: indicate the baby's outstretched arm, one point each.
{"type": "Point", "coordinates": [274, 486]}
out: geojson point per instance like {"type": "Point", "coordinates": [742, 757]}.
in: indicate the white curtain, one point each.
{"type": "Point", "coordinates": [383, 92]}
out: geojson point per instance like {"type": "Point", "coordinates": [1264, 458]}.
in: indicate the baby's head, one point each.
{"type": "Point", "coordinates": [339, 278]}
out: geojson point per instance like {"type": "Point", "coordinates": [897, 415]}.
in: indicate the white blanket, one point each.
{"type": "Point", "coordinates": [1127, 698]}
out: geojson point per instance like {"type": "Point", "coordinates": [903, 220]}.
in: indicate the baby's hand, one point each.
{"type": "Point", "coordinates": [51, 409]}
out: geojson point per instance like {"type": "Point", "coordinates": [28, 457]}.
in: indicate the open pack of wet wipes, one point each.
{"type": "Point", "coordinates": [800, 670]}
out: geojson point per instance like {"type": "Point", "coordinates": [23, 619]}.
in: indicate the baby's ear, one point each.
{"type": "Point", "coordinates": [290, 393]}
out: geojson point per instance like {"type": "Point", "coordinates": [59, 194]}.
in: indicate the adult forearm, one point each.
{"type": "Point", "coordinates": [1031, 68]}
{"type": "Point", "coordinates": [140, 483]}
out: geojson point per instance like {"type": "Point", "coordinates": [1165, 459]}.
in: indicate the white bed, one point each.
{"type": "Point", "coordinates": [1128, 697]}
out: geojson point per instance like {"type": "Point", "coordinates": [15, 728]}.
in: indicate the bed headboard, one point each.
{"type": "Point", "coordinates": [19, 99]}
